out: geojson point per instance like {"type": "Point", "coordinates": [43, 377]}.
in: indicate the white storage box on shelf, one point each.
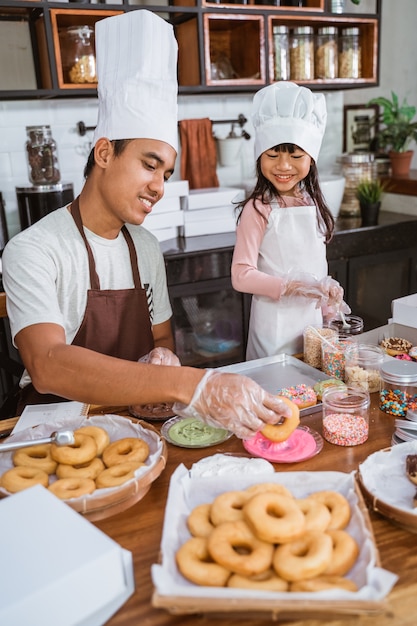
{"type": "Point", "coordinates": [167, 215]}
{"type": "Point", "coordinates": [213, 197]}
{"type": "Point", "coordinates": [211, 211]}
{"type": "Point", "coordinates": [404, 310]}
{"type": "Point", "coordinates": [57, 567]}
{"type": "Point", "coordinates": [210, 221]}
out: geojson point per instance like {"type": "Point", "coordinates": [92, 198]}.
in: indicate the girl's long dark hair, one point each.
{"type": "Point", "coordinates": [264, 192]}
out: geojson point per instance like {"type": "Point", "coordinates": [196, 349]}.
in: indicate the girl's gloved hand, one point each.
{"type": "Point", "coordinates": [234, 402]}
{"type": "Point", "coordinates": [160, 356]}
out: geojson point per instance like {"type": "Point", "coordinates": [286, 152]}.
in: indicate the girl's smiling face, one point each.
{"type": "Point", "coordinates": [285, 169]}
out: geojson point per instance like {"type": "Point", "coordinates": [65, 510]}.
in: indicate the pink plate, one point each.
{"type": "Point", "coordinates": [303, 444]}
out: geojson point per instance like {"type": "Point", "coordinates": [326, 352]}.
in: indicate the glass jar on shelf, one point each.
{"type": "Point", "coordinates": [78, 55]}
{"type": "Point", "coordinates": [326, 54]}
{"type": "Point", "coordinates": [281, 53]}
{"type": "Point", "coordinates": [42, 157]}
{"type": "Point", "coordinates": [302, 53]}
{"type": "Point", "coordinates": [355, 167]}
{"type": "Point", "coordinates": [350, 54]}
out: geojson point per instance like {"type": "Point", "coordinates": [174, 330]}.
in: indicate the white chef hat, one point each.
{"type": "Point", "coordinates": [287, 113]}
{"type": "Point", "coordinates": [137, 78]}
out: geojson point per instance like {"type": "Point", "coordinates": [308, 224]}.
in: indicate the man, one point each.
{"type": "Point", "coordinates": [86, 286]}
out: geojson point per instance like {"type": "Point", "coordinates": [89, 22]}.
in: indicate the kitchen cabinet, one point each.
{"type": "Point", "coordinates": [223, 47]}
{"type": "Point", "coordinates": [375, 265]}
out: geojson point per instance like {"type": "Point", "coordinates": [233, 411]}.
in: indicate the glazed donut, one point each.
{"type": "Point", "coordinates": [396, 345]}
{"type": "Point", "coordinates": [234, 546]}
{"type": "Point", "coordinates": [127, 449]}
{"type": "Point", "coordinates": [21, 477]}
{"type": "Point", "coordinates": [267, 581]}
{"type": "Point", "coordinates": [87, 470]}
{"type": "Point", "coordinates": [36, 456]}
{"type": "Point", "coordinates": [302, 395]}
{"type": "Point", "coordinates": [227, 507]}
{"type": "Point", "coordinates": [116, 475]}
{"type": "Point", "coordinates": [195, 564]}
{"type": "Point", "coordinates": [411, 467]}
{"type": "Point", "coordinates": [199, 522]}
{"type": "Point", "coordinates": [274, 518]}
{"type": "Point", "coordinates": [338, 506]}
{"type": "Point", "coordinates": [281, 432]}
{"type": "Point", "coordinates": [83, 451]}
{"type": "Point", "coordinates": [317, 515]}
{"type": "Point", "coordinates": [270, 488]}
{"type": "Point", "coordinates": [306, 557]}
{"type": "Point", "coordinates": [322, 583]}
{"type": "Point", "coordinates": [100, 436]}
{"type": "Point", "coordinates": [67, 488]}
{"type": "Point", "coordinates": [345, 553]}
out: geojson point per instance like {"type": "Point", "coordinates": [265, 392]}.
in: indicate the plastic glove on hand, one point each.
{"type": "Point", "coordinates": [160, 356]}
{"type": "Point", "coordinates": [301, 284]}
{"type": "Point", "coordinates": [332, 292]}
{"type": "Point", "coordinates": [234, 402]}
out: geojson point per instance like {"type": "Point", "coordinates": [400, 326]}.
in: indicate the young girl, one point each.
{"type": "Point", "coordinates": [283, 226]}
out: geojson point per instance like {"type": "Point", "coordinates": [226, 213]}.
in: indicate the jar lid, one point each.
{"type": "Point", "coordinates": [396, 371]}
{"type": "Point", "coordinates": [350, 31]}
{"type": "Point", "coordinates": [280, 30]}
{"type": "Point", "coordinates": [327, 30]}
{"type": "Point", "coordinates": [39, 128]}
{"type": "Point", "coordinates": [357, 157]}
{"type": "Point", "coordinates": [303, 30]}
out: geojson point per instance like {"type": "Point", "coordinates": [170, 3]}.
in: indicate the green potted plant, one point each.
{"type": "Point", "coordinates": [369, 193]}
{"type": "Point", "coordinates": [396, 131]}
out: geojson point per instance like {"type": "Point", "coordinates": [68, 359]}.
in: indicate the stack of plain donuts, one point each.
{"type": "Point", "coordinates": [263, 538]}
{"type": "Point", "coordinates": [91, 463]}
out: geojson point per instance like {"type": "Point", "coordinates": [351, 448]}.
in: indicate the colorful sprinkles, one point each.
{"type": "Point", "coordinates": [345, 429]}
{"type": "Point", "coordinates": [333, 360]}
{"type": "Point", "coordinates": [396, 402]}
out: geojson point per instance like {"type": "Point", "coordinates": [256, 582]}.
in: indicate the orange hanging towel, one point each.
{"type": "Point", "coordinates": [198, 153]}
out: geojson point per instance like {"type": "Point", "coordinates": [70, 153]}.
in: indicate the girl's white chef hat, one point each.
{"type": "Point", "coordinates": [287, 113]}
{"type": "Point", "coordinates": [136, 56]}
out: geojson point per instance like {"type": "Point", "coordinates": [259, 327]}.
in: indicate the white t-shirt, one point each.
{"type": "Point", "coordinates": [46, 273]}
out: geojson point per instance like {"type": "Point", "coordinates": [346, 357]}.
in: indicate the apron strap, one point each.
{"type": "Point", "coordinates": [75, 212]}
{"type": "Point", "coordinates": [94, 279]}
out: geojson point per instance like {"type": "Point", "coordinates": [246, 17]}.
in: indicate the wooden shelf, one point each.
{"type": "Point", "coordinates": [223, 48]}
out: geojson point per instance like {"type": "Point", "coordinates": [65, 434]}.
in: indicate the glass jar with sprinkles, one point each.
{"type": "Point", "coordinates": [398, 387]}
{"type": "Point", "coordinates": [333, 357]}
{"type": "Point", "coordinates": [346, 416]}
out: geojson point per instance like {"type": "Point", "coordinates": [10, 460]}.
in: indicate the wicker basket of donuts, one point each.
{"type": "Point", "coordinates": [269, 545]}
{"type": "Point", "coordinates": [111, 466]}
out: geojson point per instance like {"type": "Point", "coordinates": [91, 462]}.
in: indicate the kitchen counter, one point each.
{"type": "Point", "coordinates": [348, 232]}
{"type": "Point", "coordinates": [139, 530]}
{"type": "Point", "coordinates": [404, 185]}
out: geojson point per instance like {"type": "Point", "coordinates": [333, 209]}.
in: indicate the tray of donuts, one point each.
{"type": "Point", "coordinates": [111, 466]}
{"type": "Point", "coordinates": [269, 545]}
{"type": "Point", "coordinates": [388, 481]}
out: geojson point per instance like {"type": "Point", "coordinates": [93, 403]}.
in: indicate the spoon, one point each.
{"type": "Point", "coordinates": [345, 324]}
{"type": "Point", "coordinates": [60, 437]}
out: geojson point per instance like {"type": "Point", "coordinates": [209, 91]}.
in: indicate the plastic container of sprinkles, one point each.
{"type": "Point", "coordinates": [346, 416]}
{"type": "Point", "coordinates": [398, 392]}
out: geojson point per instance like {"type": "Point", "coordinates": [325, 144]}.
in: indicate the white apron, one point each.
{"type": "Point", "coordinates": [291, 242]}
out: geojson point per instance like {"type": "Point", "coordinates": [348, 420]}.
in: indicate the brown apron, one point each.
{"type": "Point", "coordinates": [116, 321]}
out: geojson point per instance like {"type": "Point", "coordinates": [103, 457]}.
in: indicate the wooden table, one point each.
{"type": "Point", "coordinates": [139, 530]}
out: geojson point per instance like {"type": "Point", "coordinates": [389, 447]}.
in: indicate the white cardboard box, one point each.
{"type": "Point", "coordinates": [56, 566]}
{"type": "Point", "coordinates": [404, 310]}
{"type": "Point", "coordinates": [213, 197]}
{"type": "Point", "coordinates": [375, 336]}
{"type": "Point", "coordinates": [163, 220]}
{"type": "Point", "coordinates": [209, 221]}
{"type": "Point", "coordinates": [177, 188]}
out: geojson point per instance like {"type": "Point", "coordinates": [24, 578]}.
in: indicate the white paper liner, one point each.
{"type": "Point", "coordinates": [117, 427]}
{"type": "Point", "coordinates": [384, 476]}
{"type": "Point", "coordinates": [186, 492]}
